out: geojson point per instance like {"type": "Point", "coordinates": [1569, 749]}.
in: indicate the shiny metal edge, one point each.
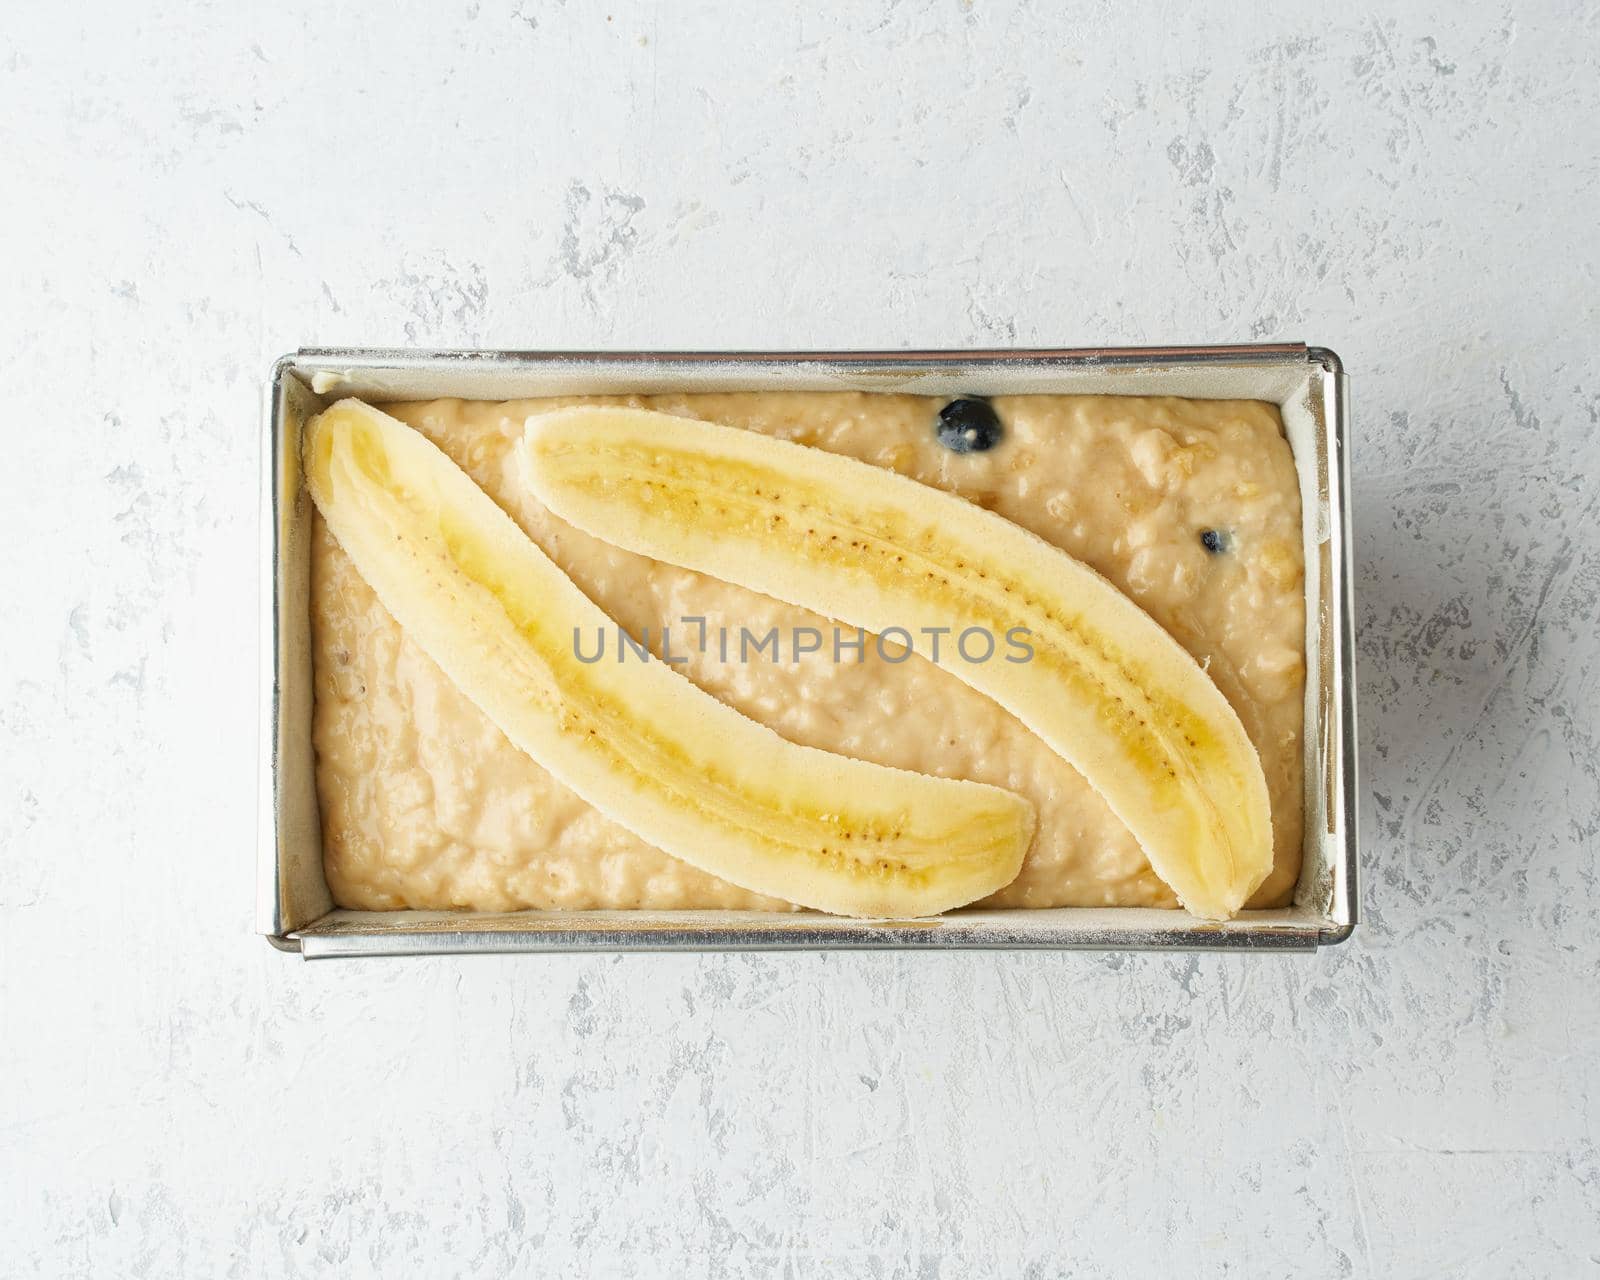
{"type": "Point", "coordinates": [356, 933]}
{"type": "Point", "coordinates": [336, 933]}
{"type": "Point", "coordinates": [290, 890]}
{"type": "Point", "coordinates": [390, 357]}
{"type": "Point", "coordinates": [1344, 910]}
{"type": "Point", "coordinates": [270, 918]}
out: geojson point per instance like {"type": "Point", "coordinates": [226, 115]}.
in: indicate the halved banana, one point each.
{"type": "Point", "coordinates": [636, 740]}
{"type": "Point", "coordinates": [1106, 687]}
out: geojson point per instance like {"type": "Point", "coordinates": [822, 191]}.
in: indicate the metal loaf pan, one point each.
{"type": "Point", "coordinates": [294, 909]}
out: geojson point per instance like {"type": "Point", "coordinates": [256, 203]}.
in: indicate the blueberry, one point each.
{"type": "Point", "coordinates": [969, 425]}
{"type": "Point", "coordinates": [1214, 542]}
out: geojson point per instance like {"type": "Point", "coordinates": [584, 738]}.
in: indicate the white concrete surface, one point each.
{"type": "Point", "coordinates": [190, 189]}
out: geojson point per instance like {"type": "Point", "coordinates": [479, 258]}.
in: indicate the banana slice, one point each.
{"type": "Point", "coordinates": [636, 740]}
{"type": "Point", "coordinates": [1106, 687]}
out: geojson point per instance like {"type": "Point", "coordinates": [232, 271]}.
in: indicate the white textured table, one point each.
{"type": "Point", "coordinates": [191, 189]}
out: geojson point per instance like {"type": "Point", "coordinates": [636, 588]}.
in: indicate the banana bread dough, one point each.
{"type": "Point", "coordinates": [1191, 507]}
